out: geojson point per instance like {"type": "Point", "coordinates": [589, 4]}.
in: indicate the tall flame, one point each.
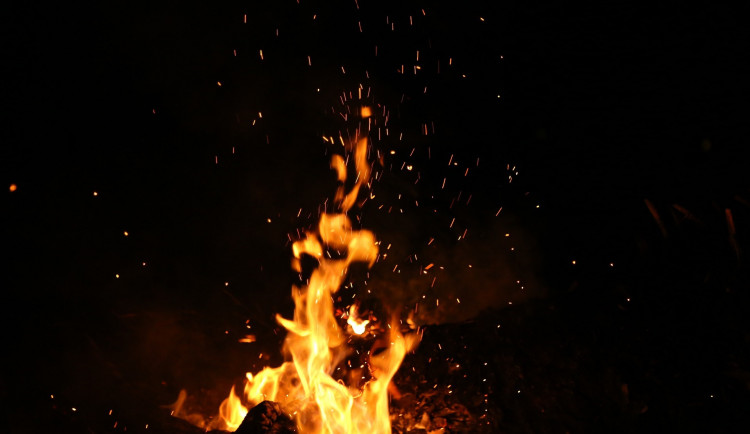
{"type": "Point", "coordinates": [304, 386]}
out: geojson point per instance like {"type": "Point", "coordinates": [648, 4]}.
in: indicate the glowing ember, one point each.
{"type": "Point", "coordinates": [357, 325]}
{"type": "Point", "coordinates": [315, 342]}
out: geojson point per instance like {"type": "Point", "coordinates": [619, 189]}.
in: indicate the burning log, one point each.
{"type": "Point", "coordinates": [267, 417]}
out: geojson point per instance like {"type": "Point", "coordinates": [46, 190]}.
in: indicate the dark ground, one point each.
{"type": "Point", "coordinates": [626, 126]}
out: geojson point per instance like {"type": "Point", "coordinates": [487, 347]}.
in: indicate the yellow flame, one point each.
{"type": "Point", "coordinates": [304, 386]}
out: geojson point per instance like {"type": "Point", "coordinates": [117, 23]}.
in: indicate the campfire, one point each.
{"type": "Point", "coordinates": [318, 387]}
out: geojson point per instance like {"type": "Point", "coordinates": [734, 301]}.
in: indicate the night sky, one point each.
{"type": "Point", "coordinates": [579, 167]}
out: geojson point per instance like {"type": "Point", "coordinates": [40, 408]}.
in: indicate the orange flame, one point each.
{"type": "Point", "coordinates": [304, 386]}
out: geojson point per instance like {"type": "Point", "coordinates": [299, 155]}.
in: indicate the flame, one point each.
{"type": "Point", "coordinates": [304, 386]}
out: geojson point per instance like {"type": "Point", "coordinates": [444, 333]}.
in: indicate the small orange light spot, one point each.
{"type": "Point", "coordinates": [125, 233]}
{"type": "Point", "coordinates": [366, 112]}
{"type": "Point", "coordinates": [13, 187]}
{"type": "Point", "coordinates": [218, 83]}
{"type": "Point", "coordinates": [96, 194]}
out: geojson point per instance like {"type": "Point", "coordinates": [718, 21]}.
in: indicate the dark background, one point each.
{"type": "Point", "coordinates": [626, 126]}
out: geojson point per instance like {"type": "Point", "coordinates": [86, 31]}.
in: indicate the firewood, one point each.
{"type": "Point", "coordinates": [268, 418]}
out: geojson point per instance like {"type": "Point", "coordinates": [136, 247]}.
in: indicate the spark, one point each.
{"type": "Point", "coordinates": [248, 339]}
{"type": "Point", "coordinates": [655, 215]}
